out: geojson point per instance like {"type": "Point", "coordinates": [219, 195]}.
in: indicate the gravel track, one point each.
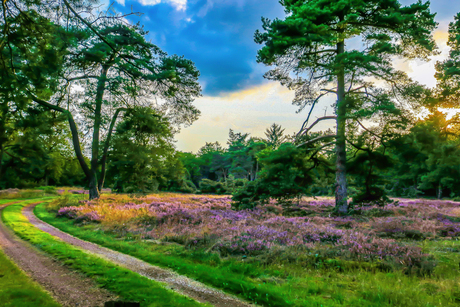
{"type": "Point", "coordinates": [176, 282]}
{"type": "Point", "coordinates": [67, 287]}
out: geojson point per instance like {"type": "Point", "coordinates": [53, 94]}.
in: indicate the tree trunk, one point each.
{"type": "Point", "coordinates": [1, 161]}
{"type": "Point", "coordinates": [93, 185]}
{"type": "Point", "coordinates": [106, 148]}
{"type": "Point", "coordinates": [439, 191]}
{"type": "Point", "coordinates": [93, 190]}
{"type": "Point", "coordinates": [341, 199]}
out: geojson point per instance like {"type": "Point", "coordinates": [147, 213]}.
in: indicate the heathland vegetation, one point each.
{"type": "Point", "coordinates": [367, 214]}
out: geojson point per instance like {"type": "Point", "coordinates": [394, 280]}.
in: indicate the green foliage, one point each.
{"type": "Point", "coordinates": [284, 177]}
{"type": "Point", "coordinates": [142, 158]}
{"type": "Point", "coordinates": [212, 187]}
{"type": "Point", "coordinates": [274, 136]}
{"type": "Point", "coordinates": [426, 161]}
{"type": "Point", "coordinates": [307, 50]}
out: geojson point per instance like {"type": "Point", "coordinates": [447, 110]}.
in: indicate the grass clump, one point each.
{"type": "Point", "coordinates": [18, 290]}
{"type": "Point", "coordinates": [127, 284]}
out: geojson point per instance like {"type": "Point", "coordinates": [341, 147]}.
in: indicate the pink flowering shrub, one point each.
{"type": "Point", "coordinates": [208, 222]}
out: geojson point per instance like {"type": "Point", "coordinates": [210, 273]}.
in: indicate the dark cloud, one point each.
{"type": "Point", "coordinates": [218, 35]}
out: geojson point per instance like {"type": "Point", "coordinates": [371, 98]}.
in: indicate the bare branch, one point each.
{"type": "Point", "coordinates": [317, 121]}
{"type": "Point", "coordinates": [318, 139]}
{"type": "Point", "coordinates": [81, 77]}
{"type": "Point", "coordinates": [309, 113]}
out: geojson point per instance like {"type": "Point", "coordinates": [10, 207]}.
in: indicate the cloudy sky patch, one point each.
{"type": "Point", "coordinates": [218, 36]}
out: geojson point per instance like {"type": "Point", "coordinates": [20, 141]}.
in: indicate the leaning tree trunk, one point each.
{"type": "Point", "coordinates": [341, 199]}
{"type": "Point", "coordinates": [93, 184]}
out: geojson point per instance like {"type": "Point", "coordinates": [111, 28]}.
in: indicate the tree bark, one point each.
{"type": "Point", "coordinates": [1, 161]}
{"type": "Point", "coordinates": [106, 148]}
{"type": "Point", "coordinates": [93, 185]}
{"type": "Point", "coordinates": [341, 198]}
{"type": "Point", "coordinates": [439, 192]}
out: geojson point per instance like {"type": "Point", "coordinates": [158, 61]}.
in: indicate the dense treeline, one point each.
{"type": "Point", "coordinates": [86, 100]}
{"type": "Point", "coordinates": [424, 161]}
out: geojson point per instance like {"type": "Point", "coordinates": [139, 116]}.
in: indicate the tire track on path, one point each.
{"type": "Point", "coordinates": [69, 288]}
{"type": "Point", "coordinates": [176, 282]}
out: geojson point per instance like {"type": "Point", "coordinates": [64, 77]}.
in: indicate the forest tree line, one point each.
{"type": "Point", "coordinates": [86, 99]}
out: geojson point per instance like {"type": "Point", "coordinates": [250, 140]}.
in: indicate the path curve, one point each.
{"type": "Point", "coordinates": [176, 282]}
{"type": "Point", "coordinates": [67, 287]}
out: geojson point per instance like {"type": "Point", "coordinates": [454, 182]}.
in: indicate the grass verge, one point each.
{"type": "Point", "coordinates": [128, 285]}
{"type": "Point", "coordinates": [320, 283]}
{"type": "Point", "coordinates": [18, 290]}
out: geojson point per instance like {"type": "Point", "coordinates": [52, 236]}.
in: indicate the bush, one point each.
{"type": "Point", "coordinates": [232, 184]}
{"type": "Point", "coordinates": [370, 197]}
{"type": "Point", "coordinates": [212, 187]}
{"type": "Point", "coordinates": [65, 200]}
{"type": "Point", "coordinates": [187, 187]}
{"type": "Point", "coordinates": [49, 190]}
{"type": "Point", "coordinates": [285, 176]}
{"type": "Point", "coordinates": [249, 196]}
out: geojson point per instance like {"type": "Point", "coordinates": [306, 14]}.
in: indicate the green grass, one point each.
{"type": "Point", "coordinates": [296, 283]}
{"type": "Point", "coordinates": [18, 290]}
{"type": "Point", "coordinates": [127, 284]}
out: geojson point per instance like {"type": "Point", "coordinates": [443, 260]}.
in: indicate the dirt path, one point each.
{"type": "Point", "coordinates": [67, 287]}
{"type": "Point", "coordinates": [179, 283]}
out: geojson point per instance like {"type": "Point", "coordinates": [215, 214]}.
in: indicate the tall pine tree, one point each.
{"type": "Point", "coordinates": [309, 51]}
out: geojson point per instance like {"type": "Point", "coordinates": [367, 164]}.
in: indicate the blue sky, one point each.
{"type": "Point", "coordinates": [218, 36]}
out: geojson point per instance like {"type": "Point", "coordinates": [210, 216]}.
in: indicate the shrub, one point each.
{"type": "Point", "coordinates": [370, 197]}
{"type": "Point", "coordinates": [285, 176]}
{"type": "Point", "coordinates": [212, 187]}
{"type": "Point", "coordinates": [49, 190]}
{"type": "Point", "coordinates": [65, 200]}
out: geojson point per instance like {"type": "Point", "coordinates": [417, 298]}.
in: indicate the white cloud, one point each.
{"type": "Point", "coordinates": [251, 110]}
{"type": "Point", "coordinates": [180, 5]}
{"type": "Point", "coordinates": [121, 2]}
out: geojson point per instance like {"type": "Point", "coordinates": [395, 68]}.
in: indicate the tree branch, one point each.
{"type": "Point", "coordinates": [309, 113]}
{"type": "Point", "coordinates": [358, 147]}
{"type": "Point", "coordinates": [67, 4]}
{"type": "Point", "coordinates": [81, 77]}
{"type": "Point", "coordinates": [317, 121]}
{"type": "Point", "coordinates": [317, 139]}
{"type": "Point", "coordinates": [73, 129]}
{"type": "Point", "coordinates": [319, 149]}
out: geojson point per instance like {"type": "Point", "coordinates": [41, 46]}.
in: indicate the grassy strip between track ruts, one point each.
{"type": "Point", "coordinates": [127, 284]}
{"type": "Point", "coordinates": [18, 290]}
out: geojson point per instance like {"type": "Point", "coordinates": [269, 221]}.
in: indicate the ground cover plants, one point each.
{"type": "Point", "coordinates": [128, 285]}
{"type": "Point", "coordinates": [397, 255]}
